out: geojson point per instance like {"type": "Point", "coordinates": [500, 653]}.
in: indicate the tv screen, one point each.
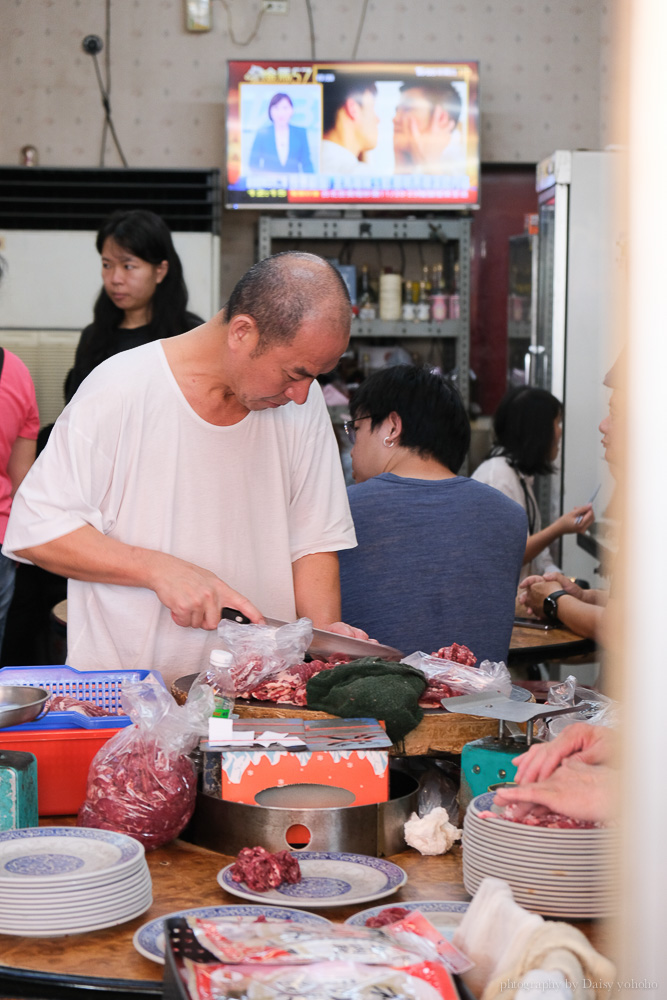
{"type": "Point", "coordinates": [371, 135]}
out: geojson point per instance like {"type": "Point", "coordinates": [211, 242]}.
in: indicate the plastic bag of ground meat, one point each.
{"type": "Point", "coordinates": [142, 782]}
{"type": "Point", "coordinates": [447, 679]}
{"type": "Point", "coordinates": [263, 651]}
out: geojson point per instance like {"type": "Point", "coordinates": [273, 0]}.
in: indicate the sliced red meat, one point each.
{"type": "Point", "coordinates": [388, 916]}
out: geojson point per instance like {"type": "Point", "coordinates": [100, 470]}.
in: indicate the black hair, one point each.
{"type": "Point", "coordinates": [523, 426]}
{"type": "Point", "coordinates": [145, 235]}
{"type": "Point", "coordinates": [281, 291]}
{"type": "Point", "coordinates": [434, 422]}
{"type": "Point", "coordinates": [439, 92]}
{"type": "Point", "coordinates": [336, 93]}
{"type": "Point", "coordinates": [276, 100]}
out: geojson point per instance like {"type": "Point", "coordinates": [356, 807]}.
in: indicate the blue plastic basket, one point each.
{"type": "Point", "coordinates": [102, 687]}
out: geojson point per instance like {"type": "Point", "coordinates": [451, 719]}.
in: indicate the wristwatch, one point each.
{"type": "Point", "coordinates": [550, 605]}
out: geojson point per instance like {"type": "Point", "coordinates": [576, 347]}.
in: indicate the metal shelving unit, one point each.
{"type": "Point", "coordinates": [441, 229]}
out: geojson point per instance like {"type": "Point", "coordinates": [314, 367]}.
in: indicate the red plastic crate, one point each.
{"type": "Point", "coordinates": [63, 759]}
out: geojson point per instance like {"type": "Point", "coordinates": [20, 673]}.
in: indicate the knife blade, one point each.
{"type": "Point", "coordinates": [326, 643]}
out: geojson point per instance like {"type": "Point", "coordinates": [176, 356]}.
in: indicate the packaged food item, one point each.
{"type": "Point", "coordinates": [262, 651]}
{"type": "Point", "coordinates": [279, 960]}
{"type": "Point", "coordinates": [447, 678]}
{"type": "Point", "coordinates": [142, 782]}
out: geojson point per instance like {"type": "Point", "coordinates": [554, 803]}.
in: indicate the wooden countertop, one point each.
{"type": "Point", "coordinates": [184, 876]}
{"type": "Point", "coordinates": [530, 645]}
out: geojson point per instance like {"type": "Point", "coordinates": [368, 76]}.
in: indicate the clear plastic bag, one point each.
{"type": "Point", "coordinates": [142, 782]}
{"type": "Point", "coordinates": [261, 651]}
{"type": "Point", "coordinates": [599, 711]}
{"type": "Point", "coordinates": [447, 679]}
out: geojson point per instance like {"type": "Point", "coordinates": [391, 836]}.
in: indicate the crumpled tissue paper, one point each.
{"type": "Point", "coordinates": [432, 833]}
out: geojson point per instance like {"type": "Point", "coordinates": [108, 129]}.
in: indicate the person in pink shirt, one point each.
{"type": "Point", "coordinates": [19, 426]}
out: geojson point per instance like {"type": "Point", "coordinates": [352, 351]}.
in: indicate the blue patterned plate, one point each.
{"type": "Point", "coordinates": [41, 856]}
{"type": "Point", "coordinates": [328, 879]}
{"type": "Point", "coordinates": [149, 939]}
{"type": "Point", "coordinates": [443, 914]}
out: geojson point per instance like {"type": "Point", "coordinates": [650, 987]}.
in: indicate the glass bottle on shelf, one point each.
{"type": "Point", "coordinates": [424, 304]}
{"type": "Point", "coordinates": [438, 297]}
{"type": "Point", "coordinates": [409, 306]}
{"type": "Point", "coordinates": [366, 299]}
{"type": "Point", "coordinates": [426, 279]}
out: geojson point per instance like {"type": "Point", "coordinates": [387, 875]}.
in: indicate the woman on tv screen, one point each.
{"type": "Point", "coordinates": [280, 147]}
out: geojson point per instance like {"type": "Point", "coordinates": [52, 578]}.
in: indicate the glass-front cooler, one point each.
{"type": "Point", "coordinates": [570, 354]}
{"type": "Point", "coordinates": [521, 307]}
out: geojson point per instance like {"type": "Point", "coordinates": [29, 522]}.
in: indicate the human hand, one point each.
{"type": "Point", "coordinates": [195, 595]}
{"type": "Point", "coordinates": [578, 741]}
{"type": "Point", "coordinates": [532, 592]}
{"type": "Point", "coordinates": [565, 583]}
{"type": "Point", "coordinates": [584, 792]}
{"type": "Point", "coordinates": [576, 520]}
{"type": "Point", "coordinates": [341, 628]}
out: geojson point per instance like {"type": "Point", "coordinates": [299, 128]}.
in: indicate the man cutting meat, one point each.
{"type": "Point", "coordinates": [195, 473]}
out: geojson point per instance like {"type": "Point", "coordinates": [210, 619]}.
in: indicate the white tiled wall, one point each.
{"type": "Point", "coordinates": [545, 74]}
{"type": "Point", "coordinates": [544, 70]}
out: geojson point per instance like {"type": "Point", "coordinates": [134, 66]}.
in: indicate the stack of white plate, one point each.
{"type": "Point", "coordinates": [67, 880]}
{"type": "Point", "coordinates": [555, 872]}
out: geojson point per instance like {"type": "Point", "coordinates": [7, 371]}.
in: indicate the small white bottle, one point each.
{"type": "Point", "coordinates": [220, 673]}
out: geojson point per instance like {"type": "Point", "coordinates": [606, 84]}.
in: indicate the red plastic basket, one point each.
{"type": "Point", "coordinates": [63, 759]}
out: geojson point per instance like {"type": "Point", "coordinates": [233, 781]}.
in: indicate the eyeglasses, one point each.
{"type": "Point", "coordinates": [349, 426]}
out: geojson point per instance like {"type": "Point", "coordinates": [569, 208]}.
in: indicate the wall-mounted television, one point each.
{"type": "Point", "coordinates": [363, 134]}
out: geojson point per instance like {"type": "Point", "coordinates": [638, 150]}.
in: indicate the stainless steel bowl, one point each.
{"type": "Point", "coordinates": [20, 704]}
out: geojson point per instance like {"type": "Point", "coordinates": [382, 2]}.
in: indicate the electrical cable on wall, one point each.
{"type": "Point", "coordinates": [107, 74]}
{"type": "Point", "coordinates": [230, 29]}
{"type": "Point", "coordinates": [311, 27]}
{"type": "Point", "coordinates": [92, 44]}
{"type": "Point", "coordinates": [359, 29]}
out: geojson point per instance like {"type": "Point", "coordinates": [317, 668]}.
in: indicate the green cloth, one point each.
{"type": "Point", "coordinates": [370, 688]}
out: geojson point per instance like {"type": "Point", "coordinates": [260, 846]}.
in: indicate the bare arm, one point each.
{"type": "Point", "coordinates": [21, 458]}
{"type": "Point", "coordinates": [317, 592]}
{"type": "Point", "coordinates": [580, 617]}
{"type": "Point", "coordinates": [590, 596]}
{"type": "Point", "coordinates": [193, 595]}
{"type": "Point", "coordinates": [564, 525]}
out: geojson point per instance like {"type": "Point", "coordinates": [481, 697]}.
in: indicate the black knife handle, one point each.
{"type": "Point", "coordinates": [232, 615]}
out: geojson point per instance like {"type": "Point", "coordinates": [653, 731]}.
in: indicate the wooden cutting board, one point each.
{"type": "Point", "coordinates": [438, 732]}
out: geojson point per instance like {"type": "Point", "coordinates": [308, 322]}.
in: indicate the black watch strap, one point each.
{"type": "Point", "coordinates": [550, 605]}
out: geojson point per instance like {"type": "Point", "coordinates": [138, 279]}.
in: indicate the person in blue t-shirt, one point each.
{"type": "Point", "coordinates": [439, 555]}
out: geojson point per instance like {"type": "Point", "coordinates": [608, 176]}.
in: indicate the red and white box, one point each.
{"type": "Point", "coordinates": [347, 754]}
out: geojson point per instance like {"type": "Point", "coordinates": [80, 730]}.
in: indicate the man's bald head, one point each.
{"type": "Point", "coordinates": [282, 291]}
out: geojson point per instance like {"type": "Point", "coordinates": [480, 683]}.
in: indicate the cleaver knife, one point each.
{"type": "Point", "coordinates": [326, 643]}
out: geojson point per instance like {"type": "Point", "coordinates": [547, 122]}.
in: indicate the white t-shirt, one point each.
{"type": "Point", "coordinates": [337, 159]}
{"type": "Point", "coordinates": [497, 472]}
{"type": "Point", "coordinates": [132, 458]}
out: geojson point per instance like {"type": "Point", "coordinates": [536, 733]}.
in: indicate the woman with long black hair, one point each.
{"type": "Point", "coordinates": [143, 296]}
{"type": "Point", "coordinates": [527, 429]}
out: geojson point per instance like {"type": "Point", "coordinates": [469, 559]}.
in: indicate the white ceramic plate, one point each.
{"type": "Point", "coordinates": [328, 879]}
{"type": "Point", "coordinates": [63, 854]}
{"type": "Point", "coordinates": [149, 939]}
{"type": "Point", "coordinates": [484, 803]}
{"type": "Point", "coordinates": [589, 860]}
{"type": "Point", "coordinates": [71, 901]}
{"type": "Point", "coordinates": [82, 890]}
{"type": "Point", "coordinates": [582, 908]}
{"type": "Point", "coordinates": [536, 868]}
{"type": "Point", "coordinates": [446, 915]}
{"type": "Point", "coordinates": [57, 928]}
